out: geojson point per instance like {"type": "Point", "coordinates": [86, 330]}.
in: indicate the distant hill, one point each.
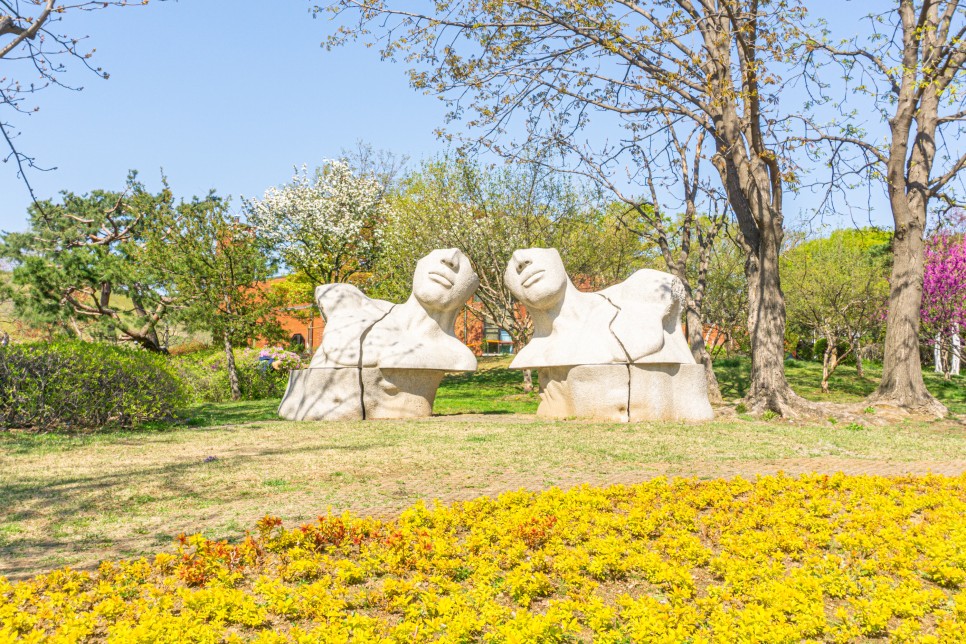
{"type": "Point", "coordinates": [19, 330]}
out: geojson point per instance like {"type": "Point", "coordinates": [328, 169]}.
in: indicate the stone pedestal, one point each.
{"type": "Point", "coordinates": [625, 392]}
{"type": "Point", "coordinates": [351, 393]}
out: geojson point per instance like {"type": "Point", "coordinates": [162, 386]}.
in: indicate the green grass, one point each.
{"type": "Point", "coordinates": [845, 386]}
{"type": "Point", "coordinates": [73, 499]}
{"type": "Point", "coordinates": [492, 389]}
{"type": "Point", "coordinates": [231, 413]}
{"type": "Point", "coordinates": [76, 500]}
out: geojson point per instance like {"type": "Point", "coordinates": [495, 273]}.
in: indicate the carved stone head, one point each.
{"type": "Point", "coordinates": [444, 280]}
{"type": "Point", "coordinates": [537, 277]}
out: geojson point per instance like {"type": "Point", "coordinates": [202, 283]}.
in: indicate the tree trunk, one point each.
{"type": "Point", "coordinates": [527, 381]}
{"type": "Point", "coordinates": [937, 354]}
{"type": "Point", "coordinates": [755, 195]}
{"type": "Point", "coordinates": [955, 356]}
{"type": "Point", "coordinates": [912, 151]}
{"type": "Point", "coordinates": [232, 370]}
{"type": "Point", "coordinates": [902, 384]}
{"type": "Point", "coordinates": [829, 362]}
{"type": "Point", "coordinates": [859, 370]}
{"type": "Point", "coordinates": [768, 390]}
{"type": "Point", "coordinates": [699, 350]}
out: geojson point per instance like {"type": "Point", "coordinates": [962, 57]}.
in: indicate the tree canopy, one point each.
{"type": "Point", "coordinates": [80, 265]}
{"type": "Point", "coordinates": [837, 288]}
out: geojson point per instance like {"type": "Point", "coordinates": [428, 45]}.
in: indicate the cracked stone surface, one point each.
{"type": "Point", "coordinates": [384, 360]}
{"type": "Point", "coordinates": [618, 354]}
{"type": "Point", "coordinates": [352, 393]}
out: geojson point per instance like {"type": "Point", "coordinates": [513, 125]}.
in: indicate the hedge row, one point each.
{"type": "Point", "coordinates": [78, 385]}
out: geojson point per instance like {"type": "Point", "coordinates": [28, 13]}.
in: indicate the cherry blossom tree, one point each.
{"type": "Point", "coordinates": [327, 224]}
{"type": "Point", "coordinates": [944, 298]}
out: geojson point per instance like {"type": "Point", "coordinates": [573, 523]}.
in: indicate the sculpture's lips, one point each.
{"type": "Point", "coordinates": [533, 278]}
{"type": "Point", "coordinates": [441, 279]}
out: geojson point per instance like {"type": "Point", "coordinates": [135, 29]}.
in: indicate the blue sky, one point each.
{"type": "Point", "coordinates": [223, 95]}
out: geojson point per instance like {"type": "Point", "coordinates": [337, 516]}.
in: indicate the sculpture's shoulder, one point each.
{"type": "Point", "coordinates": [347, 300]}
{"type": "Point", "coordinates": [579, 335]}
{"type": "Point", "coordinates": [407, 338]}
{"type": "Point", "coordinates": [649, 286]}
{"type": "Point", "coordinates": [649, 323]}
{"type": "Point", "coordinates": [439, 353]}
{"type": "Point", "coordinates": [348, 313]}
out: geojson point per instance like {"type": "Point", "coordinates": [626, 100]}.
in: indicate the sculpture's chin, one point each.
{"type": "Point", "coordinates": [542, 301]}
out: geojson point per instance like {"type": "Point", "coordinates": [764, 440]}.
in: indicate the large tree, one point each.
{"type": "Point", "coordinates": [216, 270]}
{"type": "Point", "coordinates": [551, 68]}
{"type": "Point", "coordinates": [80, 265]}
{"type": "Point", "coordinates": [907, 72]}
{"type": "Point", "coordinates": [34, 55]}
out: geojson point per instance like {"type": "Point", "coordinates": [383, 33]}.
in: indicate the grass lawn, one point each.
{"type": "Point", "coordinates": [844, 385]}
{"type": "Point", "coordinates": [79, 499]}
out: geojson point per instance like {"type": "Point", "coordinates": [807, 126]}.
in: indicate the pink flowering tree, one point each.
{"type": "Point", "coordinates": [944, 298]}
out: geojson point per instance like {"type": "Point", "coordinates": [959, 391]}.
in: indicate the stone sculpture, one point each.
{"type": "Point", "coordinates": [384, 360]}
{"type": "Point", "coordinates": [617, 354]}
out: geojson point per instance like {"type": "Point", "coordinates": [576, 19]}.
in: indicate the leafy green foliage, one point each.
{"type": "Point", "coordinates": [218, 268]}
{"type": "Point", "coordinates": [80, 265]}
{"type": "Point", "coordinates": [82, 386]}
{"type": "Point", "coordinates": [205, 376]}
{"type": "Point", "coordinates": [836, 288]}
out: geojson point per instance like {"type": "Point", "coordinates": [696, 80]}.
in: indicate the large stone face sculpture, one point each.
{"type": "Point", "coordinates": [384, 360]}
{"type": "Point", "coordinates": [617, 354]}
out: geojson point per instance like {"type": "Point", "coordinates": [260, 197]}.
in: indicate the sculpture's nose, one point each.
{"type": "Point", "coordinates": [521, 261]}
{"type": "Point", "coordinates": [452, 260]}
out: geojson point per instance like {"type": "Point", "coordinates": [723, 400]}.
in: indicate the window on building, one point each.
{"type": "Point", "coordinates": [496, 340]}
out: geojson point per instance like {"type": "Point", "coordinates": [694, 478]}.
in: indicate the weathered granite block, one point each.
{"type": "Point", "coordinates": [625, 392]}
{"type": "Point", "coordinates": [351, 393]}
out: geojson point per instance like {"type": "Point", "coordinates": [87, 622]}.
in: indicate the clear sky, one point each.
{"type": "Point", "coordinates": [221, 94]}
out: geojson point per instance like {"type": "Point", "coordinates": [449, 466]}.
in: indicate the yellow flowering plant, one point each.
{"type": "Point", "coordinates": [809, 559]}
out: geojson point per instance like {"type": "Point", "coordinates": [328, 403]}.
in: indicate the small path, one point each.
{"type": "Point", "coordinates": [692, 469]}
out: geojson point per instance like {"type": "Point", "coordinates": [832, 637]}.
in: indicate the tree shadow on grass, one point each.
{"type": "Point", "coordinates": [52, 499]}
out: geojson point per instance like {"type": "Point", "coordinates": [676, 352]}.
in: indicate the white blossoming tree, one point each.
{"type": "Point", "coordinates": [326, 225]}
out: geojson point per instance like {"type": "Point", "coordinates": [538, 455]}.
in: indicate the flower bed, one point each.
{"type": "Point", "coordinates": [816, 558]}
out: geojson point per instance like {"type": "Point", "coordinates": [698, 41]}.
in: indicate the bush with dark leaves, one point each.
{"type": "Point", "coordinates": [85, 386]}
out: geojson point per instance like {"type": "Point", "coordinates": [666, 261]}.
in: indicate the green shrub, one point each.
{"type": "Point", "coordinates": [805, 350]}
{"type": "Point", "coordinates": [80, 385]}
{"type": "Point", "coordinates": [205, 374]}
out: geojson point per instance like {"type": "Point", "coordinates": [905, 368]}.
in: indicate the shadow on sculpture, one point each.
{"type": "Point", "coordinates": [618, 354]}
{"type": "Point", "coordinates": [384, 360]}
